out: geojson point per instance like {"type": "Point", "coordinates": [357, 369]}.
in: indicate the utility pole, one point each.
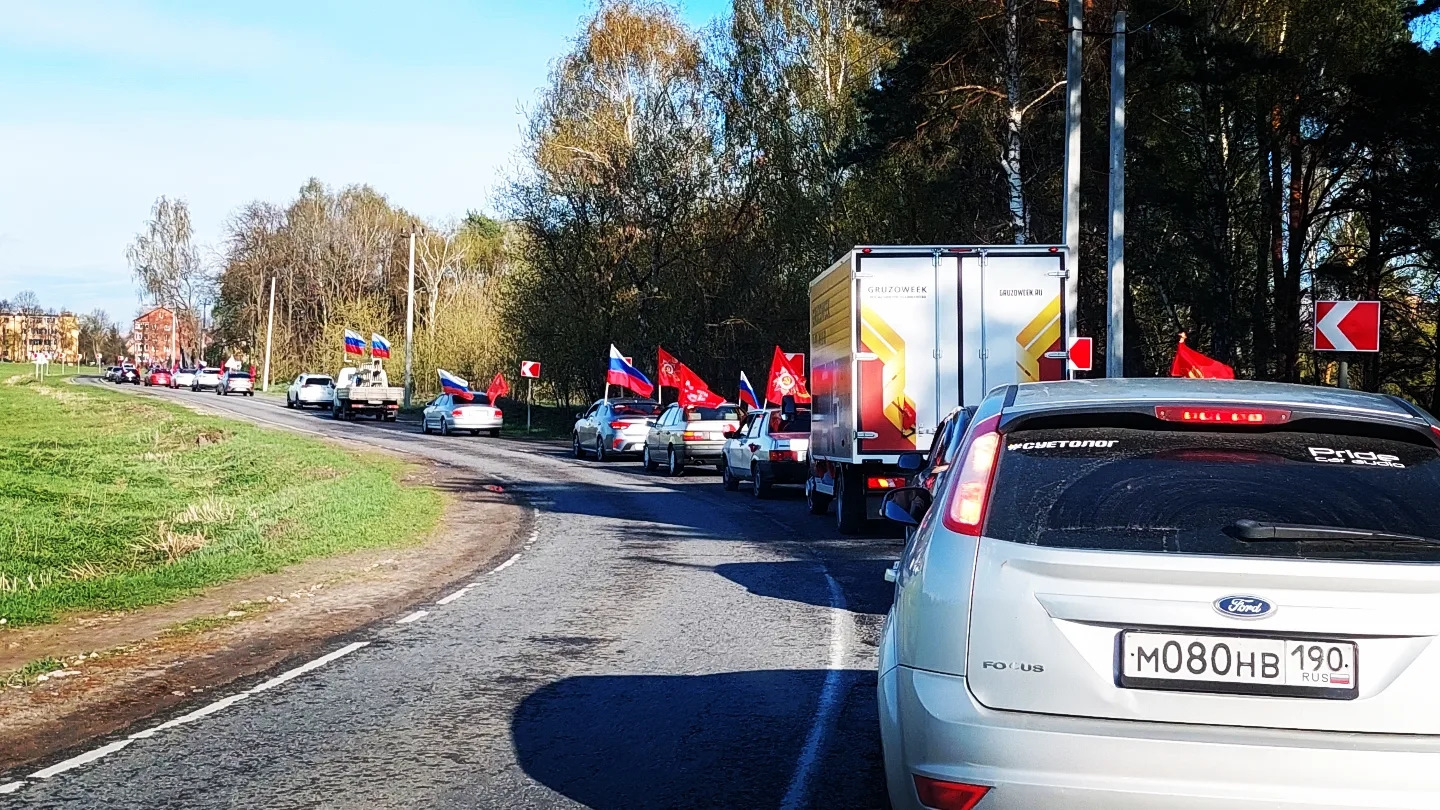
{"type": "Point", "coordinates": [410, 321]}
{"type": "Point", "coordinates": [1071, 204]}
{"type": "Point", "coordinates": [1115, 275]}
{"type": "Point", "coordinates": [269, 334]}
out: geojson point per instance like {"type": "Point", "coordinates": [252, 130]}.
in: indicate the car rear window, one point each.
{"type": "Point", "coordinates": [317, 381]}
{"type": "Point", "coordinates": [730, 413]}
{"type": "Point", "coordinates": [239, 375]}
{"type": "Point", "coordinates": [799, 423]}
{"type": "Point", "coordinates": [1181, 491]}
{"type": "Point", "coordinates": [634, 408]}
{"type": "Point", "coordinates": [474, 399]}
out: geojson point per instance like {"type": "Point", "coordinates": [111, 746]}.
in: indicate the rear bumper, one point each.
{"type": "Point", "coordinates": [314, 399]}
{"type": "Point", "coordinates": [709, 452]}
{"type": "Point", "coordinates": [784, 472]}
{"type": "Point", "coordinates": [475, 423]}
{"type": "Point", "coordinates": [932, 726]}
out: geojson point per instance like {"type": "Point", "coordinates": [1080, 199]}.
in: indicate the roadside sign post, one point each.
{"type": "Point", "coordinates": [530, 370]}
{"type": "Point", "coordinates": [1347, 326]}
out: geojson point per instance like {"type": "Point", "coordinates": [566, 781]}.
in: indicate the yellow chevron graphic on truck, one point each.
{"type": "Point", "coordinates": [889, 347]}
{"type": "Point", "coordinates": [1036, 338]}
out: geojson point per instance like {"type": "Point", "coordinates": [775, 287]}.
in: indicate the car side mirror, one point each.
{"type": "Point", "coordinates": [579, 416]}
{"type": "Point", "coordinates": [911, 462]}
{"type": "Point", "coordinates": [907, 505]}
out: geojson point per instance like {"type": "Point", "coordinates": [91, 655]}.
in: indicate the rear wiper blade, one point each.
{"type": "Point", "coordinates": [1256, 530]}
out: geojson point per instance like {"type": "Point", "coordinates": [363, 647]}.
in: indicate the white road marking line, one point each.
{"type": "Point", "coordinates": [456, 595]}
{"type": "Point", "coordinates": [75, 762]}
{"type": "Point", "coordinates": [12, 787]}
{"type": "Point", "coordinates": [506, 564]}
{"type": "Point", "coordinates": [416, 616]}
{"type": "Point", "coordinates": [829, 705]}
{"type": "Point", "coordinates": [304, 668]}
{"type": "Point", "coordinates": [223, 703]}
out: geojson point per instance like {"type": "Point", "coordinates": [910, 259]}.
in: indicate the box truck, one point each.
{"type": "Point", "coordinates": [900, 336]}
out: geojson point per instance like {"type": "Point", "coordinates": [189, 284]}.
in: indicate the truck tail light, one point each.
{"type": "Point", "coordinates": [966, 512]}
{"type": "Point", "coordinates": [943, 795]}
{"type": "Point", "coordinates": [1209, 415]}
{"type": "Point", "coordinates": [884, 483]}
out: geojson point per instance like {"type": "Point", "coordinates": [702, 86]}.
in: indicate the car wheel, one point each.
{"type": "Point", "coordinates": [600, 451]}
{"type": "Point", "coordinates": [728, 479]}
{"type": "Point", "coordinates": [759, 487]}
{"type": "Point", "coordinates": [425, 425]}
{"type": "Point", "coordinates": [849, 504]}
{"type": "Point", "coordinates": [575, 449]}
{"type": "Point", "coordinates": [673, 463]}
{"type": "Point", "coordinates": [494, 433]}
{"type": "Point", "coordinates": [815, 501]}
{"type": "Point", "coordinates": [646, 461]}
{"type": "Point", "coordinates": [444, 427]}
{"type": "Point", "coordinates": [290, 403]}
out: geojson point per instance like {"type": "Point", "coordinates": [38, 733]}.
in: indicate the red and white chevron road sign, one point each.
{"type": "Point", "coordinates": [530, 369]}
{"type": "Point", "coordinates": [1347, 326]}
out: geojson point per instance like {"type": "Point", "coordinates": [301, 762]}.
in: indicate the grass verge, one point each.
{"type": "Point", "coordinates": [110, 501]}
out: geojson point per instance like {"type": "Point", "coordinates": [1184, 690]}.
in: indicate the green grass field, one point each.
{"type": "Point", "coordinates": [110, 501]}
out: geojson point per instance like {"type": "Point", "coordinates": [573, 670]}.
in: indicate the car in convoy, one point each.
{"type": "Point", "coordinates": [182, 378]}
{"type": "Point", "coordinates": [206, 379]}
{"type": "Point", "coordinates": [1170, 593]}
{"type": "Point", "coordinates": [449, 413]}
{"type": "Point", "coordinates": [112, 374]}
{"type": "Point", "coordinates": [310, 389]}
{"type": "Point", "coordinates": [688, 434]}
{"type": "Point", "coordinates": [770, 447]}
{"type": "Point", "coordinates": [130, 374]}
{"type": "Point", "coordinates": [365, 390]}
{"type": "Point", "coordinates": [236, 382]}
{"type": "Point", "coordinates": [613, 427]}
{"type": "Point", "coordinates": [158, 375]}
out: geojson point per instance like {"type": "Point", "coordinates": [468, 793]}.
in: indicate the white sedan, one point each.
{"type": "Point", "coordinates": [310, 389]}
{"type": "Point", "coordinates": [182, 378]}
{"type": "Point", "coordinates": [448, 413]}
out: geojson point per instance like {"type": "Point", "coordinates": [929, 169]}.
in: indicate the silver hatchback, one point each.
{"type": "Point", "coordinates": [1170, 593]}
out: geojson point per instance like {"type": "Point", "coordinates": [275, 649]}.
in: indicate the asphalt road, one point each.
{"type": "Point", "coordinates": [660, 643]}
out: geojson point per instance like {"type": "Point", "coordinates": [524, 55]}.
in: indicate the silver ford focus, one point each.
{"type": "Point", "coordinates": [1170, 594]}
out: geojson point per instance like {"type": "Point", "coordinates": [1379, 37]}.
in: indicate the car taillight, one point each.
{"type": "Point", "coordinates": [696, 436]}
{"type": "Point", "coordinates": [783, 455]}
{"type": "Point", "coordinates": [1221, 416]}
{"type": "Point", "coordinates": [498, 414]}
{"type": "Point", "coordinates": [457, 412]}
{"type": "Point", "coordinates": [619, 425]}
{"type": "Point", "coordinates": [967, 501]}
{"type": "Point", "coordinates": [943, 795]}
{"type": "Point", "coordinates": [884, 483]}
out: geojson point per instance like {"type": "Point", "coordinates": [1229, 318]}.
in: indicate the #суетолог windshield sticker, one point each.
{"type": "Point", "coordinates": [1064, 444]}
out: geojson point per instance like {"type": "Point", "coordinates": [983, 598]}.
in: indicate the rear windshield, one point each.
{"type": "Point", "coordinates": [634, 408]}
{"type": "Point", "coordinates": [729, 413]}
{"type": "Point", "coordinates": [1128, 489]}
{"type": "Point", "coordinates": [473, 399]}
{"type": "Point", "coordinates": [799, 423]}
{"type": "Point", "coordinates": [239, 375]}
{"type": "Point", "coordinates": [317, 381]}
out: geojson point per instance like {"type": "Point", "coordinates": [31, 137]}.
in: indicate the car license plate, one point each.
{"type": "Point", "coordinates": [375, 402]}
{"type": "Point", "coordinates": [1243, 665]}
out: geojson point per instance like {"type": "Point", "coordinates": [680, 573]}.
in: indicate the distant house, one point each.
{"type": "Point", "coordinates": [159, 336]}
{"type": "Point", "coordinates": [26, 334]}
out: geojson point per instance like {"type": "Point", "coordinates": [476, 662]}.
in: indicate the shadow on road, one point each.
{"type": "Point", "coordinates": [862, 581]}
{"type": "Point", "coordinates": [725, 740]}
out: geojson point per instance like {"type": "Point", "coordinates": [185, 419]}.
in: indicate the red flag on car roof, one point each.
{"type": "Point", "coordinates": [669, 369]}
{"type": "Point", "coordinates": [498, 388]}
{"type": "Point", "coordinates": [785, 380]}
{"type": "Point", "coordinates": [694, 391]}
{"type": "Point", "coordinates": [1190, 363]}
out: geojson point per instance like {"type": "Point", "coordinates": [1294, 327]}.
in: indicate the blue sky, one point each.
{"type": "Point", "coordinates": [107, 104]}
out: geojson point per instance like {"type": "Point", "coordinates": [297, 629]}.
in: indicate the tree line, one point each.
{"type": "Point", "coordinates": [680, 187]}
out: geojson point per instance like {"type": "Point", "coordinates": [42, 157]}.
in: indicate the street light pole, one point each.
{"type": "Point", "coordinates": [410, 321]}
{"type": "Point", "coordinates": [1115, 277]}
{"type": "Point", "coordinates": [269, 334]}
{"type": "Point", "coordinates": [1070, 210]}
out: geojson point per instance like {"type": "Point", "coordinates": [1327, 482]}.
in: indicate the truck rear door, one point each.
{"type": "Point", "coordinates": [1013, 313]}
{"type": "Point", "coordinates": [907, 357]}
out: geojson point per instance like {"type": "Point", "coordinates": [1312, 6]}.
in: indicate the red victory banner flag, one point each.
{"type": "Point", "coordinates": [785, 380]}
{"type": "Point", "coordinates": [669, 369]}
{"type": "Point", "coordinates": [498, 388]}
{"type": "Point", "coordinates": [1190, 363]}
{"type": "Point", "coordinates": [694, 391]}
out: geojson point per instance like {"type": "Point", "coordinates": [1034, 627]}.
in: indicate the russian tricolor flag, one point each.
{"type": "Point", "coordinates": [747, 394]}
{"type": "Point", "coordinates": [625, 375]}
{"type": "Point", "coordinates": [379, 347]}
{"type": "Point", "coordinates": [451, 384]}
{"type": "Point", "coordinates": [354, 342]}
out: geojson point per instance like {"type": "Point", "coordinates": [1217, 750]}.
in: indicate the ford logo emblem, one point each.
{"type": "Point", "coordinates": [1244, 607]}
